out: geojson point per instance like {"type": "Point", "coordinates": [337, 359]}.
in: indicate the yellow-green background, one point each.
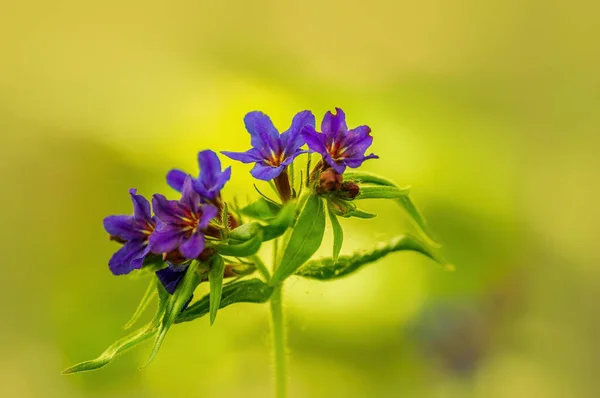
{"type": "Point", "coordinates": [489, 109]}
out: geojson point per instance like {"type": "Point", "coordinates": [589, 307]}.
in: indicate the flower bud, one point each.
{"type": "Point", "coordinates": [350, 189]}
{"type": "Point", "coordinates": [329, 181]}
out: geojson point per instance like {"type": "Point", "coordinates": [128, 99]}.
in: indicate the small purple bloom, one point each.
{"type": "Point", "coordinates": [211, 179]}
{"type": "Point", "coordinates": [133, 231]}
{"type": "Point", "coordinates": [171, 276]}
{"type": "Point", "coordinates": [339, 146]}
{"type": "Point", "coordinates": [181, 224]}
{"type": "Point", "coordinates": [272, 152]}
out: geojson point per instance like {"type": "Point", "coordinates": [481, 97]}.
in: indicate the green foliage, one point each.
{"type": "Point", "coordinates": [262, 209]}
{"type": "Point", "coordinates": [174, 304]}
{"type": "Point", "coordinates": [149, 294]}
{"type": "Point", "coordinates": [404, 201]}
{"type": "Point", "coordinates": [381, 192]}
{"type": "Point", "coordinates": [128, 341]}
{"type": "Point", "coordinates": [328, 268]}
{"type": "Point", "coordinates": [215, 280]}
{"type": "Point", "coordinates": [338, 235]}
{"type": "Point", "coordinates": [247, 248]}
{"type": "Point", "coordinates": [248, 291]}
{"type": "Point", "coordinates": [305, 239]}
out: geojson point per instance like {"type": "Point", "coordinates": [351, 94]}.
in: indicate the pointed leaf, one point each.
{"type": "Point", "coordinates": [305, 239]}
{"type": "Point", "coordinates": [116, 348]}
{"type": "Point", "coordinates": [262, 209]}
{"type": "Point", "coordinates": [215, 279]}
{"type": "Point", "coordinates": [358, 213]}
{"type": "Point", "coordinates": [381, 192]}
{"type": "Point", "coordinates": [174, 304]}
{"type": "Point", "coordinates": [328, 269]}
{"type": "Point", "coordinates": [405, 202]}
{"type": "Point", "coordinates": [338, 235]}
{"type": "Point", "coordinates": [284, 220]}
{"type": "Point", "coordinates": [415, 215]}
{"type": "Point", "coordinates": [149, 294]}
{"type": "Point", "coordinates": [128, 341]}
{"type": "Point", "coordinates": [244, 249]}
{"type": "Point", "coordinates": [248, 291]}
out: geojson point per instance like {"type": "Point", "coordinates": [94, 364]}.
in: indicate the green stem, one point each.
{"type": "Point", "coordinates": [279, 342]}
{"type": "Point", "coordinates": [261, 267]}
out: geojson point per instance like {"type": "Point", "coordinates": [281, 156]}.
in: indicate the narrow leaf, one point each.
{"type": "Point", "coordinates": [262, 209]}
{"type": "Point", "coordinates": [128, 341]}
{"type": "Point", "coordinates": [215, 279]}
{"type": "Point", "coordinates": [246, 231]}
{"type": "Point", "coordinates": [415, 215]}
{"type": "Point", "coordinates": [358, 213]}
{"type": "Point", "coordinates": [305, 239]}
{"type": "Point", "coordinates": [146, 300]}
{"type": "Point", "coordinates": [328, 269]}
{"type": "Point", "coordinates": [284, 219]}
{"type": "Point", "coordinates": [368, 178]}
{"type": "Point", "coordinates": [405, 202]}
{"type": "Point", "coordinates": [244, 249]}
{"type": "Point", "coordinates": [174, 304]}
{"type": "Point", "coordinates": [338, 235]}
{"type": "Point", "coordinates": [381, 192]}
{"type": "Point", "coordinates": [116, 348]}
{"type": "Point", "coordinates": [248, 291]}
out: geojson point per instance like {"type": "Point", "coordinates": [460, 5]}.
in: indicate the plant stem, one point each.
{"type": "Point", "coordinates": [279, 342]}
{"type": "Point", "coordinates": [278, 330]}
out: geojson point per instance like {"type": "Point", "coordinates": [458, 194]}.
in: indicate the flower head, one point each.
{"type": "Point", "coordinates": [272, 152]}
{"type": "Point", "coordinates": [339, 146]}
{"type": "Point", "coordinates": [210, 180]}
{"type": "Point", "coordinates": [133, 231]}
{"type": "Point", "coordinates": [181, 224]}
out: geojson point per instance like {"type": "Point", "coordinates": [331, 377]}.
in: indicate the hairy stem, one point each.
{"type": "Point", "coordinates": [279, 342]}
{"type": "Point", "coordinates": [278, 330]}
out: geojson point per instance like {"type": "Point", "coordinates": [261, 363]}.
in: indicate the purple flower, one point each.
{"type": "Point", "coordinates": [171, 276]}
{"type": "Point", "coordinates": [181, 224]}
{"type": "Point", "coordinates": [211, 179]}
{"type": "Point", "coordinates": [339, 146]}
{"type": "Point", "coordinates": [133, 231]}
{"type": "Point", "coordinates": [272, 152]}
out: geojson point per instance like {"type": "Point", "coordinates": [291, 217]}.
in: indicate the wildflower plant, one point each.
{"type": "Point", "coordinates": [205, 238]}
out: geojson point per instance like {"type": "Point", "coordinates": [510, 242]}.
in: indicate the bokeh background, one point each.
{"type": "Point", "coordinates": [490, 110]}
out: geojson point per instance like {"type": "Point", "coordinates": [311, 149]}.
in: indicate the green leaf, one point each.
{"type": "Point", "coordinates": [328, 269]}
{"type": "Point", "coordinates": [118, 347]}
{"type": "Point", "coordinates": [338, 235]}
{"type": "Point", "coordinates": [174, 305]}
{"type": "Point", "coordinates": [215, 279]}
{"type": "Point", "coordinates": [358, 213]}
{"type": "Point", "coordinates": [248, 291]}
{"type": "Point", "coordinates": [262, 209]}
{"type": "Point", "coordinates": [415, 215]}
{"type": "Point", "coordinates": [128, 341]}
{"type": "Point", "coordinates": [246, 231]}
{"type": "Point", "coordinates": [273, 229]}
{"type": "Point", "coordinates": [405, 202]}
{"type": "Point", "coordinates": [146, 300]}
{"type": "Point", "coordinates": [368, 178]}
{"type": "Point", "coordinates": [284, 220]}
{"type": "Point", "coordinates": [305, 239]}
{"type": "Point", "coordinates": [381, 192]}
{"type": "Point", "coordinates": [247, 248]}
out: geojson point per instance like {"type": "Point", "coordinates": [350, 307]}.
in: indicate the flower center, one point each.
{"type": "Point", "coordinates": [276, 159]}
{"type": "Point", "coordinates": [190, 222]}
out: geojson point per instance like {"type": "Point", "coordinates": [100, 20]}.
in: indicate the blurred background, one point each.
{"type": "Point", "coordinates": [489, 110]}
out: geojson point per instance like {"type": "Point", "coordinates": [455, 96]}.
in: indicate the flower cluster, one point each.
{"type": "Point", "coordinates": [179, 229]}
{"type": "Point", "coordinates": [204, 237]}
